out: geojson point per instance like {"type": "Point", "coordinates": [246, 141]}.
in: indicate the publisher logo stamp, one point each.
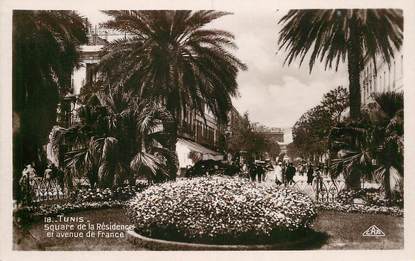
{"type": "Point", "coordinates": [373, 231]}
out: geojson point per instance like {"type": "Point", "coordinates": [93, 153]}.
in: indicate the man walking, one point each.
{"type": "Point", "coordinates": [252, 171]}
{"type": "Point", "coordinates": [260, 172]}
{"type": "Point", "coordinates": [310, 174]}
{"type": "Point", "coordinates": [290, 173]}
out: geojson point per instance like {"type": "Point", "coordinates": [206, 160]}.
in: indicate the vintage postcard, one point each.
{"type": "Point", "coordinates": [207, 127]}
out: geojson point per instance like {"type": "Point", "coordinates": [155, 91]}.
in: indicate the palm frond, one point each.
{"type": "Point", "coordinates": [326, 33]}
{"type": "Point", "coordinates": [148, 165]}
{"type": "Point", "coordinates": [172, 55]}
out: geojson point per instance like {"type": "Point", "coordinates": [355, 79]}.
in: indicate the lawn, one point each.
{"type": "Point", "coordinates": [344, 232]}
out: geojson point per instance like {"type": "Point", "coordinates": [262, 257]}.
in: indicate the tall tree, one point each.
{"type": "Point", "coordinates": [337, 35]}
{"type": "Point", "coordinates": [245, 137]}
{"type": "Point", "coordinates": [310, 132]}
{"type": "Point", "coordinates": [173, 58]}
{"type": "Point", "coordinates": [44, 54]}
{"type": "Point", "coordinates": [378, 136]}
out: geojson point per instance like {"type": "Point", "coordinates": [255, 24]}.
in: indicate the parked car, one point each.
{"type": "Point", "coordinates": [211, 167]}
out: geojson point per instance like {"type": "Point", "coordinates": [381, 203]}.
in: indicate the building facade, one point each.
{"type": "Point", "coordinates": [275, 134]}
{"type": "Point", "coordinates": [384, 79]}
{"type": "Point", "coordinates": [198, 137]}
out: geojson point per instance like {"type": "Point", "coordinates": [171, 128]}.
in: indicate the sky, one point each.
{"type": "Point", "coordinates": [273, 94]}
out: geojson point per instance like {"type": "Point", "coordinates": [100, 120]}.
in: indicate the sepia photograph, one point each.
{"type": "Point", "coordinates": [154, 130]}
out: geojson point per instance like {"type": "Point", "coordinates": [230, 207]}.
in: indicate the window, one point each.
{"type": "Point", "coordinates": [90, 73]}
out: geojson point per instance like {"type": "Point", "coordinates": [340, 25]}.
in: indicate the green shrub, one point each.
{"type": "Point", "coordinates": [101, 195]}
{"type": "Point", "coordinates": [220, 210]}
{"type": "Point", "coordinates": [372, 197]}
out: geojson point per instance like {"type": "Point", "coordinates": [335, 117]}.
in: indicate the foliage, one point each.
{"type": "Point", "coordinates": [170, 57]}
{"type": "Point", "coordinates": [293, 151]}
{"type": "Point", "coordinates": [244, 137]}
{"type": "Point", "coordinates": [100, 195]}
{"type": "Point", "coordinates": [370, 196]}
{"type": "Point", "coordinates": [118, 138]}
{"type": "Point", "coordinates": [78, 200]}
{"type": "Point", "coordinates": [310, 132]}
{"type": "Point", "coordinates": [220, 210]}
{"type": "Point", "coordinates": [336, 35]}
{"type": "Point", "coordinates": [45, 51]}
{"type": "Point", "coordinates": [358, 208]}
{"type": "Point", "coordinates": [378, 137]}
{"type": "Point", "coordinates": [25, 216]}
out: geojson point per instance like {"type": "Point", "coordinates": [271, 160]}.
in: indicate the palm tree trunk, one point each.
{"type": "Point", "coordinates": [18, 165]}
{"type": "Point", "coordinates": [354, 65]}
{"type": "Point", "coordinates": [172, 165]}
{"type": "Point", "coordinates": [353, 181]}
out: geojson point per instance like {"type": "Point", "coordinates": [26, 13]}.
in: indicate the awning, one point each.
{"type": "Point", "coordinates": [197, 147]}
{"type": "Point", "coordinates": [184, 147]}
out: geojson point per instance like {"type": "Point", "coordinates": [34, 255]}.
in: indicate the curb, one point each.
{"type": "Point", "coordinates": [158, 244]}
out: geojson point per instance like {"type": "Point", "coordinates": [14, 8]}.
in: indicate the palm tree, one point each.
{"type": "Point", "coordinates": [116, 139]}
{"type": "Point", "coordinates": [170, 57]}
{"type": "Point", "coordinates": [336, 35]}
{"type": "Point", "coordinates": [45, 51]}
{"type": "Point", "coordinates": [352, 146]}
{"type": "Point", "coordinates": [378, 138]}
{"type": "Point", "coordinates": [387, 113]}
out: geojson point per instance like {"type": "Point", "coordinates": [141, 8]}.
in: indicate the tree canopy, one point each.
{"type": "Point", "coordinates": [311, 131]}
{"type": "Point", "coordinates": [245, 137]}
{"type": "Point", "coordinates": [374, 146]}
{"type": "Point", "coordinates": [355, 36]}
{"type": "Point", "coordinates": [173, 57]}
{"type": "Point", "coordinates": [170, 56]}
{"type": "Point", "coordinates": [45, 51]}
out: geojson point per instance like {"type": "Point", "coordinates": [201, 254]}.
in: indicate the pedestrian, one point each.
{"type": "Point", "coordinates": [310, 174]}
{"type": "Point", "coordinates": [25, 182]}
{"type": "Point", "coordinates": [260, 173]}
{"type": "Point", "coordinates": [302, 169]}
{"type": "Point", "coordinates": [48, 173]}
{"type": "Point", "coordinates": [278, 174]}
{"type": "Point", "coordinates": [271, 175]}
{"type": "Point", "coordinates": [284, 173]}
{"type": "Point", "coordinates": [30, 171]}
{"type": "Point", "coordinates": [252, 171]}
{"type": "Point", "coordinates": [290, 173]}
{"type": "Point", "coordinates": [245, 170]}
{"type": "Point", "coordinates": [318, 178]}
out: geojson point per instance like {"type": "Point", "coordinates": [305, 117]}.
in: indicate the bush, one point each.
{"type": "Point", "coordinates": [82, 199]}
{"type": "Point", "coordinates": [220, 210]}
{"type": "Point", "coordinates": [24, 216]}
{"type": "Point", "coordinates": [372, 197]}
{"type": "Point", "coordinates": [101, 195]}
{"type": "Point", "coordinates": [363, 209]}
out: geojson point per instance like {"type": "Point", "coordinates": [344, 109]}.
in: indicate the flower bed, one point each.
{"type": "Point", "coordinates": [79, 200]}
{"type": "Point", "coordinates": [358, 208]}
{"type": "Point", "coordinates": [100, 195]}
{"type": "Point", "coordinates": [373, 203]}
{"type": "Point", "coordinates": [221, 210]}
{"type": "Point", "coordinates": [371, 196]}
